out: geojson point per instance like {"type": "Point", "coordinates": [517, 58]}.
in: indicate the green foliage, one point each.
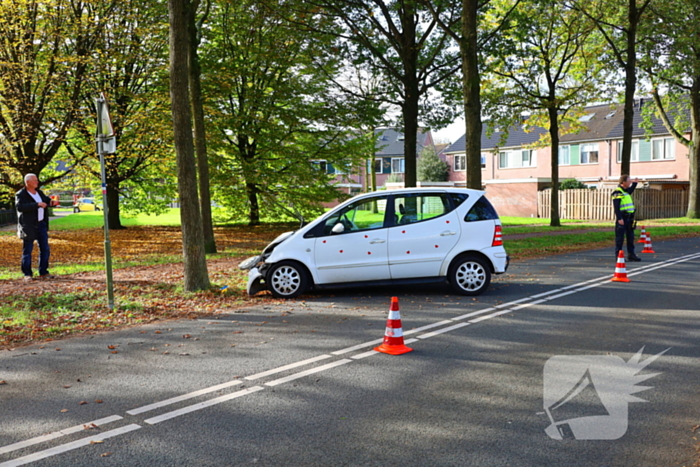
{"type": "Point", "coordinates": [571, 184]}
{"type": "Point", "coordinates": [431, 168]}
{"type": "Point", "coordinates": [394, 178]}
{"type": "Point", "coordinates": [44, 60]}
{"type": "Point", "coordinates": [273, 111]}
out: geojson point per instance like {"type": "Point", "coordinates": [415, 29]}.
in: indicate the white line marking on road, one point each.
{"type": "Point", "coordinates": [203, 405]}
{"type": "Point", "coordinates": [514, 302]}
{"type": "Point", "coordinates": [173, 400]}
{"type": "Point", "coordinates": [493, 315]}
{"type": "Point", "coordinates": [357, 347]}
{"type": "Point", "coordinates": [364, 355]}
{"type": "Point", "coordinates": [440, 331]}
{"type": "Point", "coordinates": [58, 434]}
{"type": "Point", "coordinates": [69, 446]}
{"type": "Point", "coordinates": [475, 313]}
{"type": "Point", "coordinates": [307, 372]}
{"type": "Point", "coordinates": [429, 326]}
{"type": "Point", "coordinates": [287, 367]}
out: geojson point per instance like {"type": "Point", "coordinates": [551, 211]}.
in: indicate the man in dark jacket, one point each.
{"type": "Point", "coordinates": [33, 225]}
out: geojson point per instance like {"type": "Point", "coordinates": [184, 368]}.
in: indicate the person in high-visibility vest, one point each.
{"type": "Point", "coordinates": [624, 215]}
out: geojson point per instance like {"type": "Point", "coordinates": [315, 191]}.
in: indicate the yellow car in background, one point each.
{"type": "Point", "coordinates": [85, 205]}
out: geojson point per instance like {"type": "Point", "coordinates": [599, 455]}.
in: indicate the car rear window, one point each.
{"type": "Point", "coordinates": [481, 211]}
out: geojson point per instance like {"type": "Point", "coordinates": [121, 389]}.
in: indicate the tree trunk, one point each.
{"type": "Point", "coordinates": [410, 114]}
{"type": "Point", "coordinates": [200, 138]}
{"type": "Point", "coordinates": [630, 87]}
{"type": "Point", "coordinates": [694, 154]}
{"type": "Point", "coordinates": [113, 218]}
{"type": "Point", "coordinates": [254, 213]}
{"type": "Point", "coordinates": [472, 93]}
{"type": "Point", "coordinates": [554, 220]}
{"type": "Point", "coordinates": [195, 265]}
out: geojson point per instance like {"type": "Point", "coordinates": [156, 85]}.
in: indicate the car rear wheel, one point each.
{"type": "Point", "coordinates": [287, 279]}
{"type": "Point", "coordinates": [469, 275]}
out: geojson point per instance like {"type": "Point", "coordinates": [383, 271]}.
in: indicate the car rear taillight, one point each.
{"type": "Point", "coordinates": [497, 236]}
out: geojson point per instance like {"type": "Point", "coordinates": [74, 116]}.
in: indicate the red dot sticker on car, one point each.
{"type": "Point", "coordinates": [341, 251]}
{"type": "Point", "coordinates": [369, 252]}
{"type": "Point", "coordinates": [403, 231]}
{"type": "Point", "coordinates": [408, 252]}
{"type": "Point", "coordinates": [436, 246]}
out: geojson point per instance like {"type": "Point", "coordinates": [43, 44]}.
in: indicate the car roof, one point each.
{"type": "Point", "coordinates": [407, 191]}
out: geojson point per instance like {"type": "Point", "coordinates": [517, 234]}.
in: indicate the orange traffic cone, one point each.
{"type": "Point", "coordinates": [620, 269]}
{"type": "Point", "coordinates": [647, 245]}
{"type": "Point", "coordinates": [643, 236]}
{"type": "Point", "coordinates": [393, 336]}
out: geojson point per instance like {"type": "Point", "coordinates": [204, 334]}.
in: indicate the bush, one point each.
{"type": "Point", "coordinates": [571, 184]}
{"type": "Point", "coordinates": [431, 168]}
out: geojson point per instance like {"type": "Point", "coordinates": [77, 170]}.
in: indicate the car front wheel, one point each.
{"type": "Point", "coordinates": [469, 275]}
{"type": "Point", "coordinates": [287, 279]}
{"type": "Point", "coordinates": [76, 210]}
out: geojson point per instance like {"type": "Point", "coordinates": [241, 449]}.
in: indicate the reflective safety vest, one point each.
{"type": "Point", "coordinates": [626, 203]}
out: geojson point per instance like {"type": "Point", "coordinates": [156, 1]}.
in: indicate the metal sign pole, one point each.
{"type": "Point", "coordinates": [101, 138]}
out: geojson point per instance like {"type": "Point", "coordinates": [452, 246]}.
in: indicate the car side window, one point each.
{"type": "Point", "coordinates": [482, 210]}
{"type": "Point", "coordinates": [409, 209]}
{"type": "Point", "coordinates": [359, 216]}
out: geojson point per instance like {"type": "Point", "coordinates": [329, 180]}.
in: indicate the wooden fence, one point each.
{"type": "Point", "coordinates": [597, 205]}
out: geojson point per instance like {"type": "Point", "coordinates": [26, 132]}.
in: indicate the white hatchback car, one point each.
{"type": "Point", "coordinates": [413, 235]}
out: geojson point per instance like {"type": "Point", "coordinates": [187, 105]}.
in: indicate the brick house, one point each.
{"type": "Point", "coordinates": [514, 171]}
{"type": "Point", "coordinates": [388, 160]}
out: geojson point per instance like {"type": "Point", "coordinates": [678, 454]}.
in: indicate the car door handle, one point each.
{"type": "Point", "coordinates": [377, 240]}
{"type": "Point", "coordinates": [447, 233]}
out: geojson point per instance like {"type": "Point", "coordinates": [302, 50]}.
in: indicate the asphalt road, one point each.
{"type": "Point", "coordinates": [297, 383]}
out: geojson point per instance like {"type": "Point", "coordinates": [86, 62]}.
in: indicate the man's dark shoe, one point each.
{"type": "Point", "coordinates": [634, 258]}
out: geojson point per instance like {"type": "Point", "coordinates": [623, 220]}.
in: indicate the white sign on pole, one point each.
{"type": "Point", "coordinates": [105, 123]}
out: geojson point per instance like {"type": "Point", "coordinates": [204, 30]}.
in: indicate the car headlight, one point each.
{"type": "Point", "coordinates": [250, 262]}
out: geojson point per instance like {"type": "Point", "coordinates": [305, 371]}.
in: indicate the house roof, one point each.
{"type": "Point", "coordinates": [390, 141]}
{"type": "Point", "coordinates": [602, 122]}
{"type": "Point", "coordinates": [516, 137]}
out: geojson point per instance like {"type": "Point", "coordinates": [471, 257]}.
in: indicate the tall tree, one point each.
{"type": "Point", "coordinates": [546, 68]}
{"type": "Point", "coordinates": [474, 33]}
{"type": "Point", "coordinates": [200, 136]}
{"type": "Point", "coordinates": [45, 48]}
{"type": "Point", "coordinates": [619, 24]}
{"type": "Point", "coordinates": [400, 41]}
{"type": "Point", "coordinates": [672, 62]}
{"type": "Point", "coordinates": [130, 54]}
{"type": "Point", "coordinates": [196, 276]}
{"type": "Point", "coordinates": [273, 111]}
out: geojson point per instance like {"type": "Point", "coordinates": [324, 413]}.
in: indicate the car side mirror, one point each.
{"type": "Point", "coordinates": [338, 228]}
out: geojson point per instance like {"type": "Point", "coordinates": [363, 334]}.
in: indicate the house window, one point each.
{"type": "Point", "coordinates": [634, 156]}
{"type": "Point", "coordinates": [397, 165]}
{"type": "Point", "coordinates": [564, 155]}
{"type": "Point", "coordinates": [517, 158]}
{"type": "Point", "coordinates": [662, 148]}
{"type": "Point", "coordinates": [589, 153]}
{"type": "Point", "coordinates": [460, 163]}
{"type": "Point", "coordinates": [320, 165]}
{"type": "Point", "coordinates": [377, 166]}
{"type": "Point", "coordinates": [483, 160]}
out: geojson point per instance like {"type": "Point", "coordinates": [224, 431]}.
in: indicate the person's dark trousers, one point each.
{"type": "Point", "coordinates": [42, 238]}
{"type": "Point", "coordinates": [622, 232]}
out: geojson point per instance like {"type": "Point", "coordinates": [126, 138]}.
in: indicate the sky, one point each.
{"type": "Point", "coordinates": [451, 133]}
